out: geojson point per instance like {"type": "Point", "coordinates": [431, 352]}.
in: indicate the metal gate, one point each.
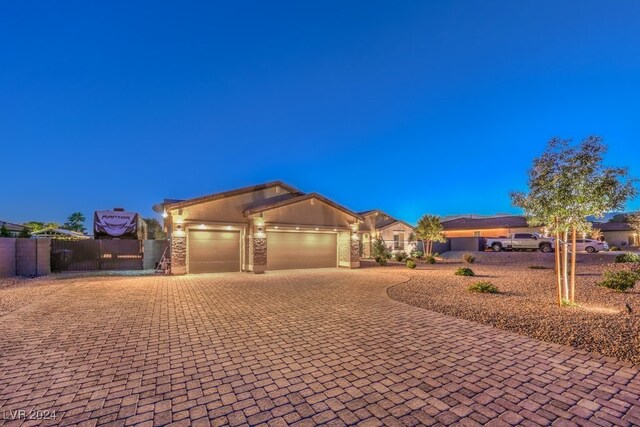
{"type": "Point", "coordinates": [82, 255]}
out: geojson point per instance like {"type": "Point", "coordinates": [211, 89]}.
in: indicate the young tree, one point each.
{"type": "Point", "coordinates": [75, 222]}
{"type": "Point", "coordinates": [596, 234]}
{"type": "Point", "coordinates": [429, 230]}
{"type": "Point", "coordinates": [567, 184]}
{"type": "Point", "coordinates": [154, 229]}
{"type": "Point", "coordinates": [35, 225]}
{"type": "Point", "coordinates": [4, 231]}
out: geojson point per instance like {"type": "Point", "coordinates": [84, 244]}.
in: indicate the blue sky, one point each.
{"type": "Point", "coordinates": [410, 107]}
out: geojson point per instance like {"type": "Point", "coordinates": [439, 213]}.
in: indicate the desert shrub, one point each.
{"type": "Point", "coordinates": [620, 280]}
{"type": "Point", "coordinates": [400, 256]}
{"type": "Point", "coordinates": [538, 267]}
{"type": "Point", "coordinates": [436, 255]}
{"type": "Point", "coordinates": [417, 254]}
{"type": "Point", "coordinates": [379, 250]}
{"type": "Point", "coordinates": [430, 259]}
{"type": "Point", "coordinates": [469, 258]}
{"type": "Point", "coordinates": [614, 249]}
{"type": "Point", "coordinates": [483, 287]}
{"type": "Point", "coordinates": [628, 257]}
{"type": "Point", "coordinates": [464, 271]}
{"type": "Point", "coordinates": [381, 260]}
{"type": "Point", "coordinates": [411, 264]}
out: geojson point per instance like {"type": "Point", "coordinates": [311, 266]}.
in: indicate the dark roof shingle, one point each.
{"type": "Point", "coordinates": [514, 221]}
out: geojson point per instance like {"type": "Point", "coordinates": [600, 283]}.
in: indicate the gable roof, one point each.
{"type": "Point", "coordinates": [231, 193]}
{"type": "Point", "coordinates": [612, 226]}
{"type": "Point", "coordinates": [274, 204]}
{"type": "Point", "coordinates": [392, 222]}
{"type": "Point", "coordinates": [512, 221]}
{"type": "Point", "coordinates": [12, 227]}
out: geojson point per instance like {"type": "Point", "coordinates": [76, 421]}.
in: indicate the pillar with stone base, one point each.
{"type": "Point", "coordinates": [178, 254]}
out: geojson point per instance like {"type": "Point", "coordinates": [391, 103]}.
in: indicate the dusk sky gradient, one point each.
{"type": "Point", "coordinates": [409, 107]}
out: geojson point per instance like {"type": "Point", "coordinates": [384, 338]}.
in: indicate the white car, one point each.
{"type": "Point", "coordinates": [590, 246]}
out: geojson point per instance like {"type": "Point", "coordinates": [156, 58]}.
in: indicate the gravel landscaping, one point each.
{"type": "Point", "coordinates": [526, 302]}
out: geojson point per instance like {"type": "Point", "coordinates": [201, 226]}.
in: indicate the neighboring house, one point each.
{"type": "Point", "coordinates": [59, 233]}
{"type": "Point", "coordinates": [394, 232]}
{"type": "Point", "coordinates": [618, 233]}
{"type": "Point", "coordinates": [14, 229]}
{"type": "Point", "coordinates": [500, 226]}
{"type": "Point", "coordinates": [271, 226]}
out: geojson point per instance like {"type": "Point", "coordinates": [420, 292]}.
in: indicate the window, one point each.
{"type": "Point", "coordinates": [398, 240]}
{"type": "Point", "coordinates": [522, 236]}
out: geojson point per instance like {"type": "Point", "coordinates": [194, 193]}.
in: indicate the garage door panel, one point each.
{"type": "Point", "coordinates": [287, 251]}
{"type": "Point", "coordinates": [213, 251]}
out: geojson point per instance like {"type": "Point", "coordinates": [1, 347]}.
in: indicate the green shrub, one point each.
{"type": "Point", "coordinates": [614, 249]}
{"type": "Point", "coordinates": [464, 271]}
{"type": "Point", "coordinates": [379, 250]}
{"type": "Point", "coordinates": [538, 267]}
{"type": "Point", "coordinates": [628, 257]}
{"type": "Point", "coordinates": [417, 254]}
{"type": "Point", "coordinates": [381, 260]}
{"type": "Point", "coordinates": [436, 255]}
{"type": "Point", "coordinates": [483, 287]}
{"type": "Point", "coordinates": [400, 256]}
{"type": "Point", "coordinates": [411, 264]}
{"type": "Point", "coordinates": [620, 280]}
{"type": "Point", "coordinates": [430, 259]}
{"type": "Point", "coordinates": [469, 258]}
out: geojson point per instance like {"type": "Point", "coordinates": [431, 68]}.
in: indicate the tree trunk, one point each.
{"type": "Point", "coordinates": [558, 269]}
{"type": "Point", "coordinates": [565, 264]}
{"type": "Point", "coordinates": [573, 266]}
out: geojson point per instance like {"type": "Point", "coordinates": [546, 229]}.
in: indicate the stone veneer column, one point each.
{"type": "Point", "coordinates": [258, 247]}
{"type": "Point", "coordinates": [259, 254]}
{"type": "Point", "coordinates": [178, 254]}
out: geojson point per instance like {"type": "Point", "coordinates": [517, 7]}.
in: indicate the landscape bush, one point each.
{"type": "Point", "coordinates": [469, 258]}
{"type": "Point", "coordinates": [538, 267]}
{"type": "Point", "coordinates": [411, 264]}
{"type": "Point", "coordinates": [620, 280]}
{"type": "Point", "coordinates": [464, 271]}
{"type": "Point", "coordinates": [436, 255]}
{"type": "Point", "coordinates": [381, 260]}
{"type": "Point", "coordinates": [400, 256]}
{"type": "Point", "coordinates": [627, 257]}
{"type": "Point", "coordinates": [483, 287]}
{"type": "Point", "coordinates": [614, 249]}
{"type": "Point", "coordinates": [417, 254]}
{"type": "Point", "coordinates": [430, 259]}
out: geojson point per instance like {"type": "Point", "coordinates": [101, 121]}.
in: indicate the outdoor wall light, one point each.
{"type": "Point", "coordinates": [317, 229]}
{"type": "Point", "coordinates": [276, 227]}
{"type": "Point", "coordinates": [201, 225]}
{"type": "Point", "coordinates": [297, 228]}
{"type": "Point", "coordinates": [179, 227]}
{"type": "Point", "coordinates": [335, 229]}
{"type": "Point", "coordinates": [165, 214]}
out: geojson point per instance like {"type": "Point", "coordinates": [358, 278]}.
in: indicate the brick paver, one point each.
{"type": "Point", "coordinates": [322, 347]}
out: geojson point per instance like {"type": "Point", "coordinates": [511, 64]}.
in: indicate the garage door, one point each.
{"type": "Point", "coordinates": [212, 251]}
{"type": "Point", "coordinates": [286, 251]}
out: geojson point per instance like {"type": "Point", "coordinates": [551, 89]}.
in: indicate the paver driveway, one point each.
{"type": "Point", "coordinates": [323, 347]}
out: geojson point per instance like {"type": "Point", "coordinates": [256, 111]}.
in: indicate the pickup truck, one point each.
{"type": "Point", "coordinates": [521, 241]}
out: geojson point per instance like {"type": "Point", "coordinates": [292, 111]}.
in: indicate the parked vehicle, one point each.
{"type": "Point", "coordinates": [590, 246]}
{"type": "Point", "coordinates": [521, 241]}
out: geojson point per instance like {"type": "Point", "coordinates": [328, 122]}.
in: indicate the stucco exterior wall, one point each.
{"type": "Point", "coordinates": [311, 212]}
{"type": "Point", "coordinates": [229, 209]}
{"type": "Point", "coordinates": [388, 233]}
{"type": "Point", "coordinates": [619, 238]}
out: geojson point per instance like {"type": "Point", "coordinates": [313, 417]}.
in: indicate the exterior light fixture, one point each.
{"type": "Point", "coordinates": [297, 228]}
{"type": "Point", "coordinates": [276, 227]}
{"type": "Point", "coordinates": [201, 225]}
{"type": "Point", "coordinates": [317, 229]}
{"type": "Point", "coordinates": [165, 214]}
{"type": "Point", "coordinates": [228, 227]}
{"type": "Point", "coordinates": [335, 229]}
